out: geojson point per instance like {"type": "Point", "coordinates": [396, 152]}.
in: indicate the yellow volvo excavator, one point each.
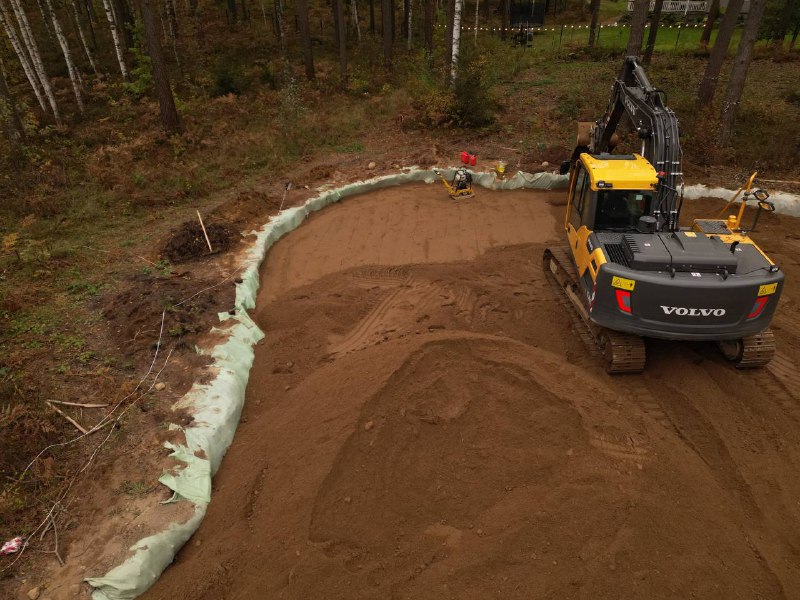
{"type": "Point", "coordinates": [630, 271]}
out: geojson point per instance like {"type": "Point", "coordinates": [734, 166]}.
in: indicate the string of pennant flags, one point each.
{"type": "Point", "coordinates": [565, 27]}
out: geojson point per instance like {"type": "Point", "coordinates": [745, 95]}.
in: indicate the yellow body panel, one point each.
{"type": "Point", "coordinates": [636, 174]}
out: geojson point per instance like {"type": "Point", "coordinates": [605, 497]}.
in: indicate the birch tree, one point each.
{"type": "Point", "coordinates": [115, 37]}
{"type": "Point", "coordinates": [77, 19]}
{"type": "Point", "coordinates": [36, 58]}
{"type": "Point", "coordinates": [74, 74]}
{"type": "Point", "coordinates": [456, 40]}
{"type": "Point", "coordinates": [22, 56]}
{"type": "Point", "coordinates": [740, 66]}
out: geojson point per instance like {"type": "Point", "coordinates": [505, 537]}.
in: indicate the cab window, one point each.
{"type": "Point", "coordinates": [621, 209]}
{"type": "Point", "coordinates": [579, 198]}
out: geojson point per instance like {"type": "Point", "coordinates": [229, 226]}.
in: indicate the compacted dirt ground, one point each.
{"type": "Point", "coordinates": [421, 422]}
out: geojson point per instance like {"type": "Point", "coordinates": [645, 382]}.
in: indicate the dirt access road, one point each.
{"type": "Point", "coordinates": [422, 423]}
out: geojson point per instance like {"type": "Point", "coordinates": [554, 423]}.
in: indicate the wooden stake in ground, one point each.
{"type": "Point", "coordinates": [285, 192]}
{"type": "Point", "coordinates": [205, 233]}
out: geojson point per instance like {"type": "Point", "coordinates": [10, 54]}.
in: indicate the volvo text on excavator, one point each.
{"type": "Point", "coordinates": [630, 271]}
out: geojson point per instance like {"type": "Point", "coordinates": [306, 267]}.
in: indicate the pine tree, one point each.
{"type": "Point", "coordinates": [170, 120]}
{"type": "Point", "coordinates": [740, 66]}
{"type": "Point", "coordinates": [708, 84]}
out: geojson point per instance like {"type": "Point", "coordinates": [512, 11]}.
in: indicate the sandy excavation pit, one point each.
{"type": "Point", "coordinates": [421, 423]}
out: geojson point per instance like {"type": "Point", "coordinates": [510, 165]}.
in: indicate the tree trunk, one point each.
{"type": "Point", "coordinates": [506, 18]}
{"type": "Point", "coordinates": [90, 15]}
{"type": "Point", "coordinates": [124, 20]}
{"type": "Point", "coordinates": [449, 11]}
{"type": "Point", "coordinates": [713, 15]}
{"type": "Point", "coordinates": [305, 37]}
{"type": "Point", "coordinates": [281, 38]}
{"type": "Point", "coordinates": [77, 18]}
{"type": "Point", "coordinates": [36, 57]}
{"type": "Point", "coordinates": [172, 31]}
{"type": "Point", "coordinates": [594, 9]}
{"type": "Point", "coordinates": [386, 22]}
{"type": "Point", "coordinates": [22, 55]}
{"type": "Point", "coordinates": [16, 131]}
{"type": "Point", "coordinates": [427, 25]}
{"type": "Point", "coordinates": [794, 36]}
{"type": "Point", "coordinates": [638, 21]}
{"type": "Point", "coordinates": [391, 17]}
{"type": "Point", "coordinates": [409, 28]}
{"type": "Point", "coordinates": [50, 34]}
{"type": "Point", "coordinates": [74, 74]}
{"type": "Point", "coordinates": [477, 19]}
{"type": "Point", "coordinates": [115, 37]}
{"type": "Point", "coordinates": [651, 36]}
{"type": "Point", "coordinates": [245, 12]}
{"type": "Point", "coordinates": [232, 13]}
{"type": "Point", "coordinates": [356, 24]}
{"type": "Point", "coordinates": [783, 24]}
{"type": "Point", "coordinates": [459, 4]}
{"type": "Point", "coordinates": [342, 43]}
{"type": "Point", "coordinates": [172, 16]}
{"type": "Point", "coordinates": [708, 84]}
{"type": "Point", "coordinates": [170, 120]}
{"type": "Point", "coordinates": [372, 17]}
{"type": "Point", "coordinates": [739, 72]}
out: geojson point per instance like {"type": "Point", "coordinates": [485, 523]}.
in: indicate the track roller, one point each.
{"type": "Point", "coordinates": [753, 351]}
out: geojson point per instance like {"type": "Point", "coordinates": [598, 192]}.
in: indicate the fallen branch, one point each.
{"type": "Point", "coordinates": [147, 261]}
{"type": "Point", "coordinates": [205, 233]}
{"type": "Point", "coordinates": [67, 417]}
{"type": "Point", "coordinates": [77, 404]}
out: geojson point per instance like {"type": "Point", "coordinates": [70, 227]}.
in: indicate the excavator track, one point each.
{"type": "Point", "coordinates": [750, 352]}
{"type": "Point", "coordinates": [620, 352]}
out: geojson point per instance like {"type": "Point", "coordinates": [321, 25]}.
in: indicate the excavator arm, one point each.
{"type": "Point", "coordinates": [657, 127]}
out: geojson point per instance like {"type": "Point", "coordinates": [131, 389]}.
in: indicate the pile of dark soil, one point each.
{"type": "Point", "coordinates": [188, 242]}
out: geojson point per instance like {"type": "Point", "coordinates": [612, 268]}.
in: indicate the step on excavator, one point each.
{"type": "Point", "coordinates": [629, 271]}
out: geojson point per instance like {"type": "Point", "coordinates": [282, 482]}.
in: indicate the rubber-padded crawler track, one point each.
{"type": "Point", "coordinates": [620, 352]}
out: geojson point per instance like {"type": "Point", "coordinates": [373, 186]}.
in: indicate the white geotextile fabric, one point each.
{"type": "Point", "coordinates": [785, 203]}
{"type": "Point", "coordinates": [216, 407]}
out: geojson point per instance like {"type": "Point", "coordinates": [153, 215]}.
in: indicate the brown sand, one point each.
{"type": "Point", "coordinates": [422, 423]}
